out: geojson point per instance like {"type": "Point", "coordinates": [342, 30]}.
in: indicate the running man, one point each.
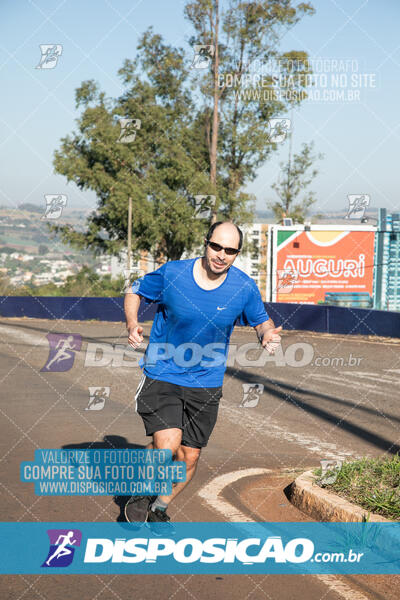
{"type": "Point", "coordinates": [199, 301]}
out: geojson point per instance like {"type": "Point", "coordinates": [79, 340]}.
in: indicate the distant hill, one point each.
{"type": "Point", "coordinates": [35, 208]}
{"type": "Point", "coordinates": [78, 216]}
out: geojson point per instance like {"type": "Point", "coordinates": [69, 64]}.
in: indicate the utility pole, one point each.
{"type": "Point", "coordinates": [289, 174]}
{"type": "Point", "coordinates": [215, 124]}
{"type": "Point", "coordinates": [128, 258]}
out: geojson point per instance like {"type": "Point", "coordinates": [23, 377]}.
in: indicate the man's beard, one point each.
{"type": "Point", "coordinates": [211, 267]}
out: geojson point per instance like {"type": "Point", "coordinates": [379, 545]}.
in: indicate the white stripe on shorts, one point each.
{"type": "Point", "coordinates": [139, 388]}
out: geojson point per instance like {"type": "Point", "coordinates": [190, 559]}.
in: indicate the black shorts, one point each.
{"type": "Point", "coordinates": [163, 405]}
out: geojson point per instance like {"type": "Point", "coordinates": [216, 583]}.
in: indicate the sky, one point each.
{"type": "Point", "coordinates": [359, 138]}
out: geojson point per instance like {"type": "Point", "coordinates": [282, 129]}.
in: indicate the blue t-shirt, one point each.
{"type": "Point", "coordinates": [189, 339]}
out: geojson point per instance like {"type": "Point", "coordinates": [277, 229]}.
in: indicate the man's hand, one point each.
{"type": "Point", "coordinates": [271, 339]}
{"type": "Point", "coordinates": [135, 335]}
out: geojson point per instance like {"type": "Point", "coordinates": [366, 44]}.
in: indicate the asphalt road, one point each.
{"type": "Point", "coordinates": [325, 396]}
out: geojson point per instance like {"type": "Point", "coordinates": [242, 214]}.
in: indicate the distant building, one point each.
{"type": "Point", "coordinates": [42, 278]}
{"type": "Point", "coordinates": [387, 262]}
{"type": "Point", "coordinates": [254, 262]}
{"type": "Point", "coordinates": [144, 264]}
{"type": "Point", "coordinates": [104, 266]}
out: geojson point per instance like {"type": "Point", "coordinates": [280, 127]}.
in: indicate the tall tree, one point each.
{"type": "Point", "coordinates": [242, 43]}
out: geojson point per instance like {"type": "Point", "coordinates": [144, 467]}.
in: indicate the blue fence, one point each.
{"type": "Point", "coordinates": [306, 317]}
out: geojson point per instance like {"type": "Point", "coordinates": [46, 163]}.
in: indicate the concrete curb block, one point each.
{"type": "Point", "coordinates": [324, 505]}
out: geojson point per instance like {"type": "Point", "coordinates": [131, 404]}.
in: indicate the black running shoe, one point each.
{"type": "Point", "coordinates": [159, 522]}
{"type": "Point", "coordinates": [136, 508]}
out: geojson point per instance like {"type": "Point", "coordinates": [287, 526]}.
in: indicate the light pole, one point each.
{"type": "Point", "coordinates": [128, 258]}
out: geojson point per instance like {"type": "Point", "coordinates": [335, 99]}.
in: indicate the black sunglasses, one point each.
{"type": "Point", "coordinates": [218, 248]}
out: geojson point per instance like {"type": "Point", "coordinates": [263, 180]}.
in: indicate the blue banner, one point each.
{"type": "Point", "coordinates": [114, 472]}
{"type": "Point", "coordinates": [200, 548]}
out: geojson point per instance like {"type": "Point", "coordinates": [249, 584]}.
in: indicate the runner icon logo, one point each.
{"type": "Point", "coordinates": [251, 394]}
{"type": "Point", "coordinates": [329, 471]}
{"type": "Point", "coordinates": [97, 397]}
{"type": "Point", "coordinates": [62, 351]}
{"type": "Point", "coordinates": [61, 551]}
{"type": "Point", "coordinates": [55, 204]}
{"type": "Point", "coordinates": [50, 53]}
{"type": "Point", "coordinates": [358, 203]}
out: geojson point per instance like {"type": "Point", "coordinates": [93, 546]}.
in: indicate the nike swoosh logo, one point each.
{"type": "Point", "coordinates": [221, 307]}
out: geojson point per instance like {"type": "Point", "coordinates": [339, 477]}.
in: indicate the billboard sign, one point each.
{"type": "Point", "coordinates": [309, 262]}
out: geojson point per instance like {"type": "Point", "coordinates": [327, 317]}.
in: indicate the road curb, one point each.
{"type": "Point", "coordinates": [324, 505]}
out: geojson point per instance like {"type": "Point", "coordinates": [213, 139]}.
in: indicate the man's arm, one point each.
{"type": "Point", "coordinates": [268, 335]}
{"type": "Point", "coordinates": [131, 307]}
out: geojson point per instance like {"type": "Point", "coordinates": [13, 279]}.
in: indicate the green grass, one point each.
{"type": "Point", "coordinates": [372, 483]}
